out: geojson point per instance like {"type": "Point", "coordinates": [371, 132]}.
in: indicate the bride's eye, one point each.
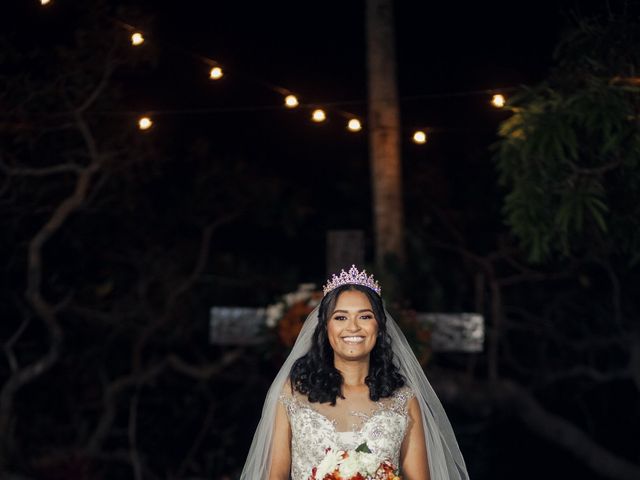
{"type": "Point", "coordinates": [339, 317]}
{"type": "Point", "coordinates": [366, 317]}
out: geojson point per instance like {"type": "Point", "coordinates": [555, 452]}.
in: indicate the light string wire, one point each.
{"type": "Point", "coordinates": [144, 122]}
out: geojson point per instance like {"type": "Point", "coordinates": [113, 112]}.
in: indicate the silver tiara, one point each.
{"type": "Point", "coordinates": [353, 277]}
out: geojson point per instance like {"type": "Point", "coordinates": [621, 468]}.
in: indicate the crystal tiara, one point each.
{"type": "Point", "coordinates": [353, 277]}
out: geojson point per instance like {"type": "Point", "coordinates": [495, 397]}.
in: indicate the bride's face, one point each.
{"type": "Point", "coordinates": [352, 327]}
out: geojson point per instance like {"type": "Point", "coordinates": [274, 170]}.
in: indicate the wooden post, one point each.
{"type": "Point", "coordinates": [384, 133]}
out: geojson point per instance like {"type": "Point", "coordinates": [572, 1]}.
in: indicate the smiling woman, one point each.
{"type": "Point", "coordinates": [352, 401]}
{"type": "Point", "coordinates": [350, 348]}
{"type": "Point", "coordinates": [352, 328]}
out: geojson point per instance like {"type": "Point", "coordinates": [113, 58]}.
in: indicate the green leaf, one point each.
{"type": "Point", "coordinates": [597, 207]}
{"type": "Point", "coordinates": [363, 448]}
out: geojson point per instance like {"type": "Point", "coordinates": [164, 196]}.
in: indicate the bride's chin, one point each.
{"type": "Point", "coordinates": [353, 355]}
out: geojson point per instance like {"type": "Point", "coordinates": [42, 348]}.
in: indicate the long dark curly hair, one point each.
{"type": "Point", "coordinates": [315, 375]}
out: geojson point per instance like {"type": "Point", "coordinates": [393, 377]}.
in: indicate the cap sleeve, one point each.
{"type": "Point", "coordinates": [401, 397]}
{"type": "Point", "coordinates": [288, 399]}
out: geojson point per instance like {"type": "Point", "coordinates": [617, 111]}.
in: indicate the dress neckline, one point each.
{"type": "Point", "coordinates": [367, 417]}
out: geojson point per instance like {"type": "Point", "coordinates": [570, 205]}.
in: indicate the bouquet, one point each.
{"type": "Point", "coordinates": [358, 464]}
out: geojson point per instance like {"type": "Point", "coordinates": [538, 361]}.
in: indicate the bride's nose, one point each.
{"type": "Point", "coordinates": [353, 325]}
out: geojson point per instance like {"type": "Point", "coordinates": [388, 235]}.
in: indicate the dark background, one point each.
{"type": "Point", "coordinates": [227, 201]}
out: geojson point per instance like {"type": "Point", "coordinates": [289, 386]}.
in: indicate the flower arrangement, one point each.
{"type": "Point", "coordinates": [358, 464]}
{"type": "Point", "coordinates": [287, 315]}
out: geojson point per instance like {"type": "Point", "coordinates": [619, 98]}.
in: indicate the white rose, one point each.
{"type": "Point", "coordinates": [349, 466]}
{"type": "Point", "coordinates": [329, 463]}
{"type": "Point", "coordinates": [369, 463]}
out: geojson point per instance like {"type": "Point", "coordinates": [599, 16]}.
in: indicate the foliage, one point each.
{"type": "Point", "coordinates": [561, 311]}
{"type": "Point", "coordinates": [568, 156]}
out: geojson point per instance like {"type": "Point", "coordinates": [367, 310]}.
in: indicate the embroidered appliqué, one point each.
{"type": "Point", "coordinates": [312, 432]}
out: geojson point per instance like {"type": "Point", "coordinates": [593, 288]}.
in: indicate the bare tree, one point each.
{"type": "Point", "coordinates": [107, 307]}
{"type": "Point", "coordinates": [515, 376]}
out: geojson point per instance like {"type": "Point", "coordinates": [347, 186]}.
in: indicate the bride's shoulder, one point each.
{"type": "Point", "coordinates": [400, 398]}
{"type": "Point", "coordinates": [404, 392]}
{"type": "Point", "coordinates": [286, 392]}
{"type": "Point", "coordinates": [289, 397]}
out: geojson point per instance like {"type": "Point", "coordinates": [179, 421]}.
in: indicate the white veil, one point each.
{"type": "Point", "coordinates": [445, 459]}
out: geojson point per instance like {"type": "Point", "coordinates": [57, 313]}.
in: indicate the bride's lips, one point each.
{"type": "Point", "coordinates": [353, 339]}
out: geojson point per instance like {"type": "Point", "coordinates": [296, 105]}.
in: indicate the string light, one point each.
{"type": "Point", "coordinates": [318, 115]}
{"type": "Point", "coordinates": [216, 73]}
{"type": "Point", "coordinates": [137, 39]}
{"type": "Point", "coordinates": [145, 123]}
{"type": "Point", "coordinates": [354, 125]}
{"type": "Point", "coordinates": [291, 101]}
{"type": "Point", "coordinates": [498, 100]}
{"type": "Point", "coordinates": [419, 137]}
{"type": "Point", "coordinates": [45, 2]}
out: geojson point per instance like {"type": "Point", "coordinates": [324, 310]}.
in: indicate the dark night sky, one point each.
{"type": "Point", "coordinates": [318, 52]}
{"type": "Point", "coordinates": [317, 49]}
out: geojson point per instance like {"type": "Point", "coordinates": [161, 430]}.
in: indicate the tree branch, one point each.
{"type": "Point", "coordinates": [111, 393]}
{"type": "Point", "coordinates": [197, 442]}
{"type": "Point", "coordinates": [561, 432]}
{"type": "Point", "coordinates": [8, 345]}
{"type": "Point", "coordinates": [596, 171]}
{"type": "Point", "coordinates": [134, 455]}
{"type": "Point", "coordinates": [184, 286]}
{"type": "Point", "coordinates": [204, 372]}
{"type": "Point", "coordinates": [33, 294]}
{"type": "Point", "coordinates": [483, 397]}
{"type": "Point", "coordinates": [102, 83]}
{"type": "Point", "coordinates": [583, 371]}
{"type": "Point", "coordinates": [41, 172]}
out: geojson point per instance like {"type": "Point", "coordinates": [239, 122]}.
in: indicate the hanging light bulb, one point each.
{"type": "Point", "coordinates": [498, 100]}
{"type": "Point", "coordinates": [145, 123]}
{"type": "Point", "coordinates": [45, 2]}
{"type": "Point", "coordinates": [318, 115]}
{"type": "Point", "coordinates": [137, 39]}
{"type": "Point", "coordinates": [291, 101]}
{"type": "Point", "coordinates": [354, 125]}
{"type": "Point", "coordinates": [419, 137]}
{"type": "Point", "coordinates": [216, 73]}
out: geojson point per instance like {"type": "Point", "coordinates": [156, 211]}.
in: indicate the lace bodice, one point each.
{"type": "Point", "coordinates": [316, 427]}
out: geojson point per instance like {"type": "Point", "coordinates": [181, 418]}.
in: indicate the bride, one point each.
{"type": "Point", "coordinates": [352, 379]}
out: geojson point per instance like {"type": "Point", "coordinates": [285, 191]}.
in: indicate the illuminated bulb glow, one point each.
{"type": "Point", "coordinates": [498, 100]}
{"type": "Point", "coordinates": [137, 39]}
{"type": "Point", "coordinates": [45, 2]}
{"type": "Point", "coordinates": [420, 137]}
{"type": "Point", "coordinates": [318, 115]}
{"type": "Point", "coordinates": [145, 123]}
{"type": "Point", "coordinates": [354, 125]}
{"type": "Point", "coordinates": [216, 73]}
{"type": "Point", "coordinates": [291, 101]}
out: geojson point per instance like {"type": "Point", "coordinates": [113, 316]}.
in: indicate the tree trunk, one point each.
{"type": "Point", "coordinates": [384, 137]}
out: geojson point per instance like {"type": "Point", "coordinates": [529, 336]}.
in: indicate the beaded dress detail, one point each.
{"type": "Point", "coordinates": [316, 427]}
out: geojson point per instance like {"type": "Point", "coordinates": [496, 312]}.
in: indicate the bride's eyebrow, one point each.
{"type": "Point", "coordinates": [359, 311]}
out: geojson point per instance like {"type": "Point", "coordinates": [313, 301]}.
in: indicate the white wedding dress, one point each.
{"type": "Point", "coordinates": [382, 425]}
{"type": "Point", "coordinates": [316, 427]}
